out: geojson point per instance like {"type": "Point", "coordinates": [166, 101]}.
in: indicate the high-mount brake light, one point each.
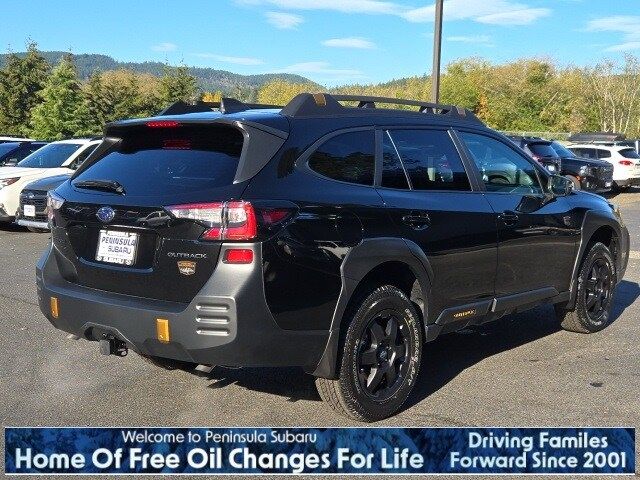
{"type": "Point", "coordinates": [234, 220]}
{"type": "Point", "coordinates": [163, 124]}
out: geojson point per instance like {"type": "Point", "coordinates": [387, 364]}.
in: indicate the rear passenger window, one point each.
{"type": "Point", "coordinates": [604, 153]}
{"type": "Point", "coordinates": [349, 157]}
{"type": "Point", "coordinates": [393, 175]}
{"type": "Point", "coordinates": [430, 159]}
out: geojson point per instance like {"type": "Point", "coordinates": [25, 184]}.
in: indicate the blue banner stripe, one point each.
{"type": "Point", "coordinates": [320, 450]}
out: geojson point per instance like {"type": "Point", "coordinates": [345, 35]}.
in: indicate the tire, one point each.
{"type": "Point", "coordinates": [362, 390]}
{"type": "Point", "coordinates": [37, 230]}
{"type": "Point", "coordinates": [594, 299]}
{"type": "Point", "coordinates": [575, 181]}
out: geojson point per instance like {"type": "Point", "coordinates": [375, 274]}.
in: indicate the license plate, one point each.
{"type": "Point", "coordinates": [117, 247]}
{"type": "Point", "coordinates": [29, 210]}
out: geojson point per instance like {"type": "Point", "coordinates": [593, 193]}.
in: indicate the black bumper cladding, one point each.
{"type": "Point", "coordinates": [227, 323]}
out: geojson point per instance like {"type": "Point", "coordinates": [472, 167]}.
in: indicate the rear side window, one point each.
{"type": "Point", "coordinates": [604, 153]}
{"type": "Point", "coordinates": [585, 152]}
{"type": "Point", "coordinates": [170, 160]}
{"type": "Point", "coordinates": [629, 153]}
{"type": "Point", "coordinates": [393, 175]}
{"type": "Point", "coordinates": [430, 159]}
{"type": "Point", "coordinates": [348, 157]}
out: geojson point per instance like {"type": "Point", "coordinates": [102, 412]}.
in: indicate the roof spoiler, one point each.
{"type": "Point", "coordinates": [225, 105]}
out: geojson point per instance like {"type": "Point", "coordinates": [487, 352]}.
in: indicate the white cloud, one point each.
{"type": "Point", "coordinates": [349, 42]}
{"type": "Point", "coordinates": [322, 70]}
{"type": "Point", "coordinates": [284, 21]}
{"type": "Point", "coordinates": [228, 59]}
{"type": "Point", "coordinates": [626, 25]}
{"type": "Point", "coordinates": [345, 6]}
{"type": "Point", "coordinates": [495, 12]}
{"type": "Point", "coordinates": [523, 16]}
{"type": "Point", "coordinates": [165, 47]}
{"type": "Point", "coordinates": [623, 47]}
{"type": "Point", "coordinates": [484, 39]}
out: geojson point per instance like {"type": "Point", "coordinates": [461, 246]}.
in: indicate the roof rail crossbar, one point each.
{"type": "Point", "coordinates": [225, 105]}
{"type": "Point", "coordinates": [307, 104]}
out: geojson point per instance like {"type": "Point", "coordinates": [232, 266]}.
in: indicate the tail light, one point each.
{"type": "Point", "coordinates": [234, 220]}
{"type": "Point", "coordinates": [54, 202]}
{"type": "Point", "coordinates": [626, 163]}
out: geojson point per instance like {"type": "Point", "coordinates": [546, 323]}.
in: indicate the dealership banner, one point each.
{"type": "Point", "coordinates": [319, 450]}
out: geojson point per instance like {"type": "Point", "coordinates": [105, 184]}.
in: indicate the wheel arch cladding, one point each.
{"type": "Point", "coordinates": [393, 261]}
{"type": "Point", "coordinates": [598, 226]}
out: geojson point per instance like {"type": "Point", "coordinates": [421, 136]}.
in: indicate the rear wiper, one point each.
{"type": "Point", "coordinates": [109, 185]}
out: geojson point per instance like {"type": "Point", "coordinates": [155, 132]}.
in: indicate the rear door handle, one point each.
{"type": "Point", "coordinates": [509, 218]}
{"type": "Point", "coordinates": [417, 221]}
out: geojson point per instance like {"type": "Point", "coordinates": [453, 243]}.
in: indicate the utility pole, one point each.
{"type": "Point", "coordinates": [437, 47]}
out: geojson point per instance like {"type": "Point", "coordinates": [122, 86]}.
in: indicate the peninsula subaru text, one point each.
{"type": "Point", "coordinates": [336, 233]}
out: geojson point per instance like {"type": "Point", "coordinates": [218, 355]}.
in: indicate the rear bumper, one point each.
{"type": "Point", "coordinates": [628, 182]}
{"type": "Point", "coordinates": [227, 323]}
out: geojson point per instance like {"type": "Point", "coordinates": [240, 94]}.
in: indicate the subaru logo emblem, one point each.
{"type": "Point", "coordinates": [105, 214]}
{"type": "Point", "coordinates": [30, 195]}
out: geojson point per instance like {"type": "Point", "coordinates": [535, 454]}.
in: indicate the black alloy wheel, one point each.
{"type": "Point", "coordinates": [382, 361]}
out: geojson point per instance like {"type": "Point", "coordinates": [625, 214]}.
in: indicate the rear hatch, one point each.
{"type": "Point", "coordinates": [114, 230]}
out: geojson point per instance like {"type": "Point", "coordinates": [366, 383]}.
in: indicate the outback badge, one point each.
{"type": "Point", "coordinates": [186, 267]}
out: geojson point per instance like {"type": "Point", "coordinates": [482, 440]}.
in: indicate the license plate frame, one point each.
{"type": "Point", "coordinates": [29, 210]}
{"type": "Point", "coordinates": [123, 242]}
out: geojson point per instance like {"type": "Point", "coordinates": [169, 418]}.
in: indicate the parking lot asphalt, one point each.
{"type": "Point", "coordinates": [520, 371]}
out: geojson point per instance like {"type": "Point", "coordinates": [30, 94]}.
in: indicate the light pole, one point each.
{"type": "Point", "coordinates": [437, 46]}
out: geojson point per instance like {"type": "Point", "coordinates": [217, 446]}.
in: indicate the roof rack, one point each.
{"type": "Point", "coordinates": [225, 105]}
{"type": "Point", "coordinates": [589, 137]}
{"type": "Point", "coordinates": [321, 104]}
{"type": "Point", "coordinates": [318, 104]}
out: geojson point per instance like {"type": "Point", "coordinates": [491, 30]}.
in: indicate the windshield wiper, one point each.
{"type": "Point", "coordinates": [108, 185]}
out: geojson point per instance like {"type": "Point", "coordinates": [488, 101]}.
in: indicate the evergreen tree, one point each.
{"type": "Point", "coordinates": [20, 80]}
{"type": "Point", "coordinates": [63, 111]}
{"type": "Point", "coordinates": [177, 84]}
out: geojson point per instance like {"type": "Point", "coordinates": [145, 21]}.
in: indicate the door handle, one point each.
{"type": "Point", "coordinates": [417, 221]}
{"type": "Point", "coordinates": [508, 217]}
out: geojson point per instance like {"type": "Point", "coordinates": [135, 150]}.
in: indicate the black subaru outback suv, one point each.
{"type": "Point", "coordinates": [340, 238]}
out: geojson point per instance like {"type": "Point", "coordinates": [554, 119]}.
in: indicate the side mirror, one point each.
{"type": "Point", "coordinates": [560, 186]}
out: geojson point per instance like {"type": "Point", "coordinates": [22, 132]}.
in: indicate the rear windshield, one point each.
{"type": "Point", "coordinates": [542, 150]}
{"type": "Point", "coordinates": [562, 150]}
{"type": "Point", "coordinates": [154, 161]}
{"type": "Point", "coordinates": [629, 153]}
{"type": "Point", "coordinates": [50, 156]}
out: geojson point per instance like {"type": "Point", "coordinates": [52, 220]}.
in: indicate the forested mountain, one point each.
{"type": "Point", "coordinates": [209, 79]}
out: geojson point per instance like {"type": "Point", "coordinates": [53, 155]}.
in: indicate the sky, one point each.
{"type": "Point", "coordinates": [332, 42]}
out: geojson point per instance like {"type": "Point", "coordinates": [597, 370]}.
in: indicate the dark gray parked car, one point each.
{"type": "Point", "coordinates": [33, 203]}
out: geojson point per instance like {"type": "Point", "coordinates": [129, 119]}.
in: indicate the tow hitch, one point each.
{"type": "Point", "coordinates": [109, 345]}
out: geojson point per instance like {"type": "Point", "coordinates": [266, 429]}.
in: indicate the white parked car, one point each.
{"type": "Point", "coordinates": [625, 161]}
{"type": "Point", "coordinates": [53, 159]}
